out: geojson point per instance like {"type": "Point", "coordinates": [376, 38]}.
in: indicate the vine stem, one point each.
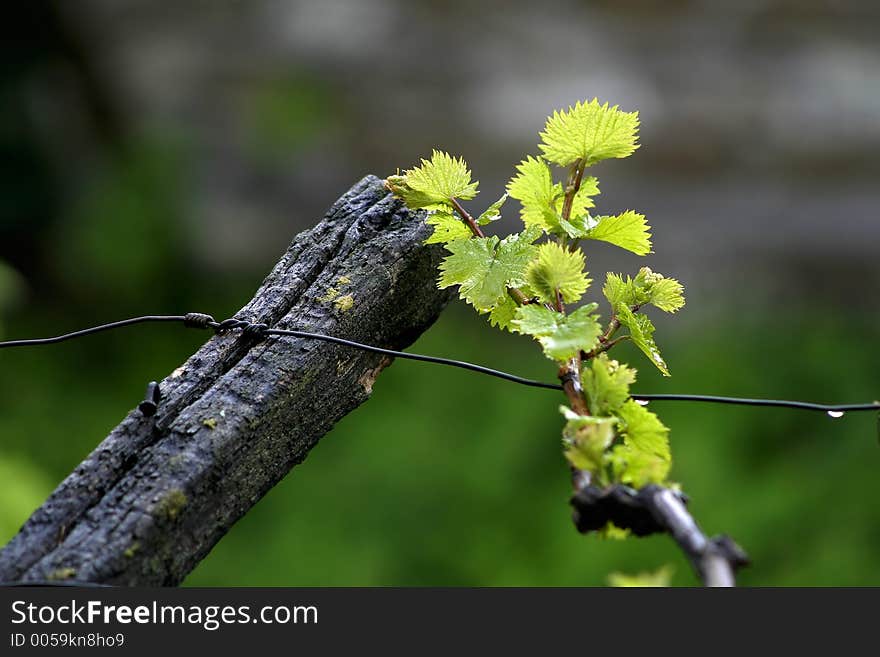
{"type": "Point", "coordinates": [658, 509]}
{"type": "Point", "coordinates": [574, 186]}
{"type": "Point", "coordinates": [570, 373]}
{"type": "Point", "coordinates": [467, 218]}
{"type": "Point", "coordinates": [602, 347]}
{"type": "Point", "coordinates": [715, 560]}
{"type": "Point", "coordinates": [605, 341]}
{"type": "Point", "coordinates": [613, 325]}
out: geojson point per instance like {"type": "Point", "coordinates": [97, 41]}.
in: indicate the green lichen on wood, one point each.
{"type": "Point", "coordinates": [344, 304]}
{"type": "Point", "coordinates": [61, 574]}
{"type": "Point", "coordinates": [210, 422]}
{"type": "Point", "coordinates": [170, 506]}
{"type": "Point", "coordinates": [332, 294]}
{"type": "Point", "coordinates": [156, 564]}
{"type": "Point", "coordinates": [131, 550]}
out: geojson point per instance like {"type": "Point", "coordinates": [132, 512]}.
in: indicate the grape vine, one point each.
{"type": "Point", "coordinates": [533, 283]}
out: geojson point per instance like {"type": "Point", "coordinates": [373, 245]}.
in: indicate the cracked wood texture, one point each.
{"type": "Point", "coordinates": [159, 492]}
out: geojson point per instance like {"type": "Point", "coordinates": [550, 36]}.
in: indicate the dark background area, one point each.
{"type": "Point", "coordinates": [157, 157]}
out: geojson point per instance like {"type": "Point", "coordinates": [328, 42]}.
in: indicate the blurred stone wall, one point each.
{"type": "Point", "coordinates": [761, 118]}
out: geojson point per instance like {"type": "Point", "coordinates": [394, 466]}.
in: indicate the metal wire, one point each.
{"type": "Point", "coordinates": [421, 357]}
{"type": "Point", "coordinates": [204, 321]}
{"type": "Point", "coordinates": [93, 329]}
{"type": "Point", "coordinates": [743, 401]}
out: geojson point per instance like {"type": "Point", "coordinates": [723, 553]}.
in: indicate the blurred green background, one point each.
{"type": "Point", "coordinates": [158, 159]}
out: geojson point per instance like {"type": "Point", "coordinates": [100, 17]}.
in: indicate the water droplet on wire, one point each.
{"type": "Point", "coordinates": [835, 414]}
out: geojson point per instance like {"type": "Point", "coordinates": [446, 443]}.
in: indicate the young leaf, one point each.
{"type": "Point", "coordinates": [413, 199]}
{"type": "Point", "coordinates": [557, 268]}
{"type": "Point", "coordinates": [559, 226]}
{"type": "Point", "coordinates": [583, 200]}
{"type": "Point", "coordinates": [627, 230]}
{"type": "Point", "coordinates": [578, 332]}
{"type": "Point", "coordinates": [561, 336]}
{"type": "Point", "coordinates": [447, 228]}
{"type": "Point", "coordinates": [484, 268]}
{"type": "Point", "coordinates": [542, 199]}
{"type": "Point", "coordinates": [492, 213]}
{"type": "Point", "coordinates": [606, 383]}
{"type": "Point", "coordinates": [585, 440]}
{"type": "Point", "coordinates": [440, 179]}
{"type": "Point", "coordinates": [580, 222]}
{"type": "Point", "coordinates": [659, 578]}
{"type": "Point", "coordinates": [613, 532]}
{"type": "Point", "coordinates": [643, 430]}
{"type": "Point", "coordinates": [641, 330]}
{"type": "Point", "coordinates": [535, 320]}
{"type": "Point", "coordinates": [667, 294]}
{"type": "Point", "coordinates": [636, 468]}
{"type": "Point", "coordinates": [621, 292]}
{"type": "Point", "coordinates": [533, 187]}
{"type": "Point", "coordinates": [591, 132]}
{"type": "Point", "coordinates": [503, 313]}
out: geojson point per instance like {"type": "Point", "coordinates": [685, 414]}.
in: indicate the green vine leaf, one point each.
{"type": "Point", "coordinates": [492, 213]}
{"type": "Point", "coordinates": [637, 468]}
{"type": "Point", "coordinates": [606, 384]}
{"type": "Point", "coordinates": [585, 440]}
{"type": "Point", "coordinates": [667, 294]}
{"type": "Point", "coordinates": [438, 180]}
{"type": "Point", "coordinates": [557, 268]}
{"type": "Point", "coordinates": [533, 187]}
{"type": "Point", "coordinates": [661, 577]}
{"type": "Point", "coordinates": [483, 268]}
{"type": "Point", "coordinates": [641, 331]}
{"type": "Point", "coordinates": [447, 228]}
{"type": "Point", "coordinates": [623, 292]}
{"type": "Point", "coordinates": [647, 287]}
{"type": "Point", "coordinates": [414, 200]}
{"type": "Point", "coordinates": [643, 430]}
{"type": "Point", "coordinates": [613, 532]}
{"type": "Point", "coordinates": [562, 336]}
{"type": "Point", "coordinates": [590, 132]}
{"type": "Point", "coordinates": [503, 313]}
{"type": "Point", "coordinates": [542, 199]}
{"type": "Point", "coordinates": [628, 230]}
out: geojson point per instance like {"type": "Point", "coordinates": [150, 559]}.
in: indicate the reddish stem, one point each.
{"type": "Point", "coordinates": [468, 219]}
